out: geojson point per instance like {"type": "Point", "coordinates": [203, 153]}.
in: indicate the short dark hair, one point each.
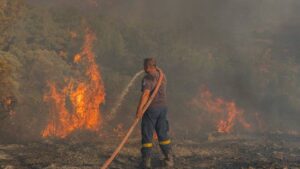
{"type": "Point", "coordinates": [149, 62]}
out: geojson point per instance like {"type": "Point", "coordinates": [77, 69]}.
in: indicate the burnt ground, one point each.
{"type": "Point", "coordinates": [259, 151]}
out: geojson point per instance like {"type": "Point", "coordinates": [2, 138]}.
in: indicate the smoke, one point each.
{"type": "Point", "coordinates": [253, 42]}
{"type": "Point", "coordinates": [243, 51]}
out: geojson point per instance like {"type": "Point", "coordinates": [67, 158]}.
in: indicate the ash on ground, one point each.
{"type": "Point", "coordinates": [259, 151]}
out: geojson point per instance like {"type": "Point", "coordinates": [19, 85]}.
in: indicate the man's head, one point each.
{"type": "Point", "coordinates": [150, 65]}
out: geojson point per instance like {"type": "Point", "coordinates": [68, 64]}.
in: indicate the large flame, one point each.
{"type": "Point", "coordinates": [227, 112]}
{"type": "Point", "coordinates": [85, 96]}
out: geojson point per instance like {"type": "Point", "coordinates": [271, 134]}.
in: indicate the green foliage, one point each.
{"type": "Point", "coordinates": [10, 10]}
{"type": "Point", "coordinates": [9, 81]}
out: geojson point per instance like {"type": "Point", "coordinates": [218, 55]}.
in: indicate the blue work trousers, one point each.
{"type": "Point", "coordinates": [155, 119]}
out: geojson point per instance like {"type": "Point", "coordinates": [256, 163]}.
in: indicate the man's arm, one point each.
{"type": "Point", "coordinates": [143, 100]}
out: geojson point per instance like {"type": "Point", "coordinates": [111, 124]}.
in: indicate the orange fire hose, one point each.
{"type": "Point", "coordinates": [135, 122]}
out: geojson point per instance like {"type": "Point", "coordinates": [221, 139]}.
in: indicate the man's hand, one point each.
{"type": "Point", "coordinates": [143, 100]}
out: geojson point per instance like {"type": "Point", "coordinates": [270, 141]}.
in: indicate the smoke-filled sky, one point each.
{"type": "Point", "coordinates": [242, 51]}
{"type": "Point", "coordinates": [230, 29]}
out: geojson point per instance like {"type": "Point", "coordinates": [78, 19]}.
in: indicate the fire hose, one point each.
{"type": "Point", "coordinates": [135, 122]}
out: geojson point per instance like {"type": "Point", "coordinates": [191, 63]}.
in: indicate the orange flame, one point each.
{"type": "Point", "coordinates": [228, 113]}
{"type": "Point", "coordinates": [85, 98]}
{"type": "Point", "coordinates": [77, 58]}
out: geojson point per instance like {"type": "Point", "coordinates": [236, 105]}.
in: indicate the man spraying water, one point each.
{"type": "Point", "coordinates": [153, 111]}
{"type": "Point", "coordinates": [155, 117]}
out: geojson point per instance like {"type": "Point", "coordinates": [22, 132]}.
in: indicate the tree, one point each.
{"type": "Point", "coordinates": [9, 82]}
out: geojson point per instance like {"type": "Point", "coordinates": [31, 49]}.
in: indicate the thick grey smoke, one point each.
{"type": "Point", "coordinates": [238, 31]}
{"type": "Point", "coordinates": [243, 51]}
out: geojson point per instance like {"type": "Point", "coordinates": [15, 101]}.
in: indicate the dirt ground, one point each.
{"type": "Point", "coordinates": [214, 151]}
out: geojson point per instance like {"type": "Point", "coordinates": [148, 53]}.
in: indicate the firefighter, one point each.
{"type": "Point", "coordinates": [155, 117]}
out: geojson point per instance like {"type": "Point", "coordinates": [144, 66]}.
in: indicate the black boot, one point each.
{"type": "Point", "coordinates": [169, 160]}
{"type": "Point", "coordinates": [146, 163]}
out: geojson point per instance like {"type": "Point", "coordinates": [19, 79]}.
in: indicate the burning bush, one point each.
{"type": "Point", "coordinates": [85, 96]}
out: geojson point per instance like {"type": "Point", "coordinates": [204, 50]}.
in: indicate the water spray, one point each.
{"type": "Point", "coordinates": [122, 96]}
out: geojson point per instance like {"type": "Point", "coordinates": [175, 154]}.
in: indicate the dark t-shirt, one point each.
{"type": "Point", "coordinates": [149, 82]}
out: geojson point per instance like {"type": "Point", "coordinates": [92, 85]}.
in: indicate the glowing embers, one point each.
{"type": "Point", "coordinates": [77, 104]}
{"type": "Point", "coordinates": [226, 112]}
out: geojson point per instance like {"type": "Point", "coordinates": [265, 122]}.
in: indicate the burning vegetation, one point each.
{"type": "Point", "coordinates": [226, 113]}
{"type": "Point", "coordinates": [85, 95]}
